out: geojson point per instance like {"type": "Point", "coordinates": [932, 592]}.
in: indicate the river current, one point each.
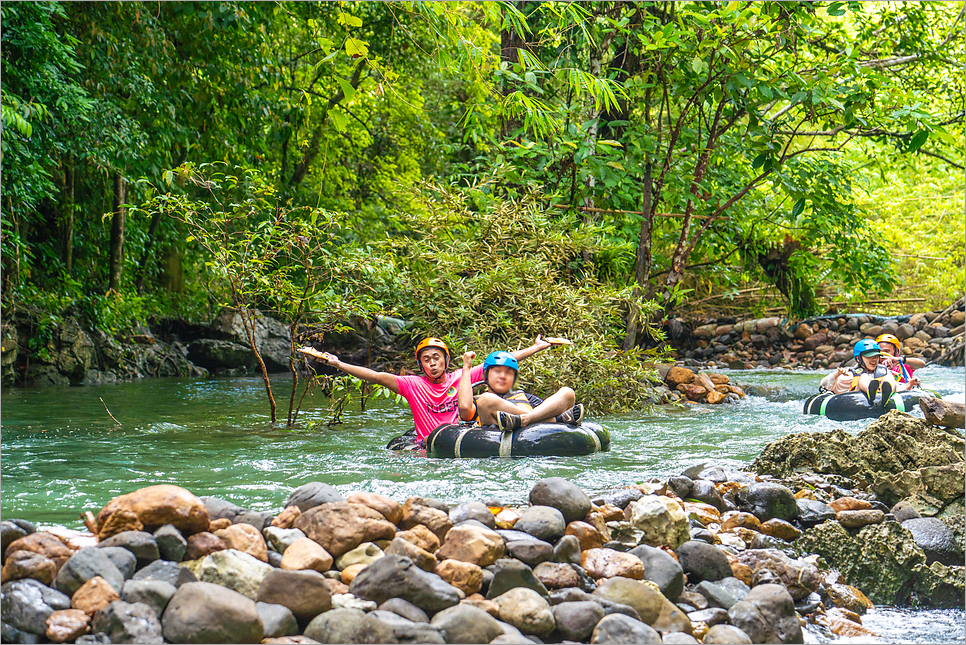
{"type": "Point", "coordinates": [62, 453]}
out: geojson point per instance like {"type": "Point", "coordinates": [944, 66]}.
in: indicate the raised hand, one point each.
{"type": "Point", "coordinates": [468, 358]}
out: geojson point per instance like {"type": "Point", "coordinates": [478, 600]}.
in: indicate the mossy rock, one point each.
{"type": "Point", "coordinates": [939, 586]}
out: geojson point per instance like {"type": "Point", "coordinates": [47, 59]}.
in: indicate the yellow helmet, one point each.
{"type": "Point", "coordinates": [426, 343]}
{"type": "Point", "coordinates": [892, 340]}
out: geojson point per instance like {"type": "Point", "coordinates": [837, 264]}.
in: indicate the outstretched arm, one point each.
{"type": "Point", "coordinates": [464, 394]}
{"type": "Point", "coordinates": [538, 345]}
{"type": "Point", "coordinates": [384, 379]}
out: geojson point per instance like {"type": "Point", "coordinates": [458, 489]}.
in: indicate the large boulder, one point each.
{"type": "Point", "coordinates": [767, 615]}
{"type": "Point", "coordinates": [542, 522]}
{"type": "Point", "coordinates": [314, 494]}
{"type": "Point", "coordinates": [158, 505]}
{"type": "Point", "coordinates": [26, 564]}
{"type": "Point", "coordinates": [27, 604]}
{"type": "Point", "coordinates": [935, 539]}
{"type": "Point", "coordinates": [43, 543]}
{"type": "Point", "coordinates": [394, 576]}
{"type": "Point", "coordinates": [124, 622]}
{"type": "Point", "coordinates": [766, 500]}
{"type": "Point", "coordinates": [562, 495]}
{"type": "Point", "coordinates": [201, 612]}
{"type": "Point", "coordinates": [340, 527]}
{"type": "Point", "coordinates": [662, 520]}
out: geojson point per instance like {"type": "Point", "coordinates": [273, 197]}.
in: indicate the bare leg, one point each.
{"type": "Point", "coordinates": [488, 404]}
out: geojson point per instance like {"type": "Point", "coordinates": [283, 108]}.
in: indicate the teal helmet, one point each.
{"type": "Point", "coordinates": [866, 347]}
{"type": "Point", "coordinates": [500, 358]}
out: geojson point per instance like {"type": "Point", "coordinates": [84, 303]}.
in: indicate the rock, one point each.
{"type": "Point", "coordinates": [405, 609]}
{"type": "Point", "coordinates": [67, 625]}
{"type": "Point", "coordinates": [406, 631]}
{"type": "Point", "coordinates": [9, 532]}
{"type": "Point", "coordinates": [679, 376]}
{"type": "Point", "coordinates": [661, 569]}
{"type": "Point", "coordinates": [510, 574]}
{"type": "Point", "coordinates": [662, 520]}
{"type": "Point", "coordinates": [286, 518]}
{"type": "Point", "coordinates": [340, 527]}
{"type": "Point", "coordinates": [644, 599]}
{"type": "Point", "coordinates": [530, 552]}
{"type": "Point", "coordinates": [128, 623]}
{"type": "Point", "coordinates": [221, 356]}
{"type": "Point", "coordinates": [567, 549]}
{"type": "Point", "coordinates": [800, 577]}
{"type": "Point", "coordinates": [422, 558]}
{"type": "Point", "coordinates": [849, 504]}
{"type": "Point", "coordinates": [203, 544]}
{"type": "Point", "coordinates": [434, 519]}
{"type": "Point", "coordinates": [350, 572]}
{"type": "Point", "coordinates": [313, 494]}
{"type": "Point", "coordinates": [467, 624]}
{"type": "Point", "coordinates": [705, 491]}
{"type": "Point", "coordinates": [562, 495]}
{"type": "Point", "coordinates": [725, 634]}
{"type": "Point", "coordinates": [28, 603]}
{"type": "Point", "coordinates": [201, 612]}
{"type": "Point", "coordinates": [141, 543]}
{"type": "Point", "coordinates": [701, 561]}
{"type": "Point", "coordinates": [27, 564]}
{"type": "Point", "coordinates": [421, 537]}
{"type": "Point", "coordinates": [85, 565]}
{"type": "Point", "coordinates": [767, 615]}
{"type": "Point", "coordinates": [618, 629]}
{"type": "Point", "coordinates": [766, 500]}
{"type": "Point", "coordinates": [304, 593]}
{"type": "Point", "coordinates": [575, 621]}
{"type": "Point", "coordinates": [245, 538]}
{"type": "Point", "coordinates": [158, 505]}
{"type": "Point", "coordinates": [620, 498]}
{"type": "Point", "coordinates": [171, 544]}
{"type": "Point", "coordinates": [276, 620]}
{"type": "Point", "coordinates": [724, 593]}
{"type": "Point", "coordinates": [607, 563]}
{"type": "Point", "coordinates": [812, 512]}
{"type": "Point", "coordinates": [936, 540]}
{"type": "Point", "coordinates": [556, 575]}
{"type": "Point", "coordinates": [780, 529]}
{"type": "Point", "coordinates": [588, 536]}
{"type": "Point", "coordinates": [235, 570]}
{"type": "Point", "coordinates": [472, 511]}
{"type": "Point", "coordinates": [364, 554]}
{"type": "Point", "coordinates": [938, 585]}
{"type": "Point", "coordinates": [167, 572]}
{"type": "Point", "coordinates": [465, 576]}
{"type": "Point", "coordinates": [94, 595]}
{"type": "Point", "coordinates": [154, 593]}
{"type": "Point", "coordinates": [670, 618]}
{"type": "Point", "coordinates": [475, 544]}
{"type": "Point", "coordinates": [542, 522]}
{"type": "Point", "coordinates": [394, 576]}
{"type": "Point", "coordinates": [526, 610]}
{"type": "Point", "coordinates": [45, 544]}
{"type": "Point", "coordinates": [280, 539]}
{"type": "Point", "coordinates": [858, 519]}
{"type": "Point", "coordinates": [305, 553]}
{"type": "Point", "coordinates": [904, 511]}
{"type": "Point", "coordinates": [390, 509]}
{"type": "Point", "coordinates": [349, 626]}
{"type": "Point", "coordinates": [710, 616]}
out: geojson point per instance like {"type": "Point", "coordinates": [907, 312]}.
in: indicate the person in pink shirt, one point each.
{"type": "Point", "coordinates": [432, 397]}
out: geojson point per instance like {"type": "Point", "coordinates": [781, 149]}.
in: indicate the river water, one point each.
{"type": "Point", "coordinates": [62, 454]}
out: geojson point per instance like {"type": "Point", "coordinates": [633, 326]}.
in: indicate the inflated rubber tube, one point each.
{"type": "Point", "coordinates": [853, 406]}
{"type": "Point", "coordinates": [537, 440]}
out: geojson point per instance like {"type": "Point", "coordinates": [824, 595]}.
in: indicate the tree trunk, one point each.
{"type": "Point", "coordinates": [248, 322]}
{"type": "Point", "coordinates": [943, 413]}
{"type": "Point", "coordinates": [67, 220]}
{"type": "Point", "coordinates": [116, 269]}
{"type": "Point", "coordinates": [152, 232]}
{"type": "Point", "coordinates": [642, 272]}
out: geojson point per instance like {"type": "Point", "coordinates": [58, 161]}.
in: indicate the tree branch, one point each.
{"type": "Point", "coordinates": [937, 156]}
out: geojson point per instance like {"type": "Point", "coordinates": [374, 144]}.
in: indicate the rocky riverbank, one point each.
{"type": "Point", "coordinates": [817, 529]}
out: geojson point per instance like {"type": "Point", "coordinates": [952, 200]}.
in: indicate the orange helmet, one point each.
{"type": "Point", "coordinates": [426, 343]}
{"type": "Point", "coordinates": [892, 340]}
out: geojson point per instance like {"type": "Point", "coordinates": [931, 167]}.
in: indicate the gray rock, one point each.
{"type": "Point", "coordinates": [169, 572]}
{"type": "Point", "coordinates": [562, 495]}
{"type": "Point", "coordinates": [9, 532]}
{"type": "Point", "coordinates": [569, 594]}
{"type": "Point", "coordinates": [542, 522]}
{"type": "Point", "coordinates": [531, 552]}
{"type": "Point", "coordinates": [678, 638]}
{"type": "Point", "coordinates": [84, 565]}
{"type": "Point", "coordinates": [141, 543]}
{"type": "Point", "coordinates": [221, 509]}
{"type": "Point", "coordinates": [349, 626]}
{"type": "Point", "coordinates": [767, 615]}
{"type": "Point", "coordinates": [171, 544]}
{"type": "Point", "coordinates": [511, 535]}
{"type": "Point", "coordinates": [99, 638]}
{"type": "Point", "coordinates": [10, 634]}
{"type": "Point", "coordinates": [680, 485]}
{"type": "Point", "coordinates": [276, 620]}
{"type": "Point", "coordinates": [724, 593]}
{"type": "Point", "coordinates": [766, 500]}
{"type": "Point", "coordinates": [128, 623]}
{"type": "Point", "coordinates": [575, 621]}
{"type": "Point", "coordinates": [406, 609]}
{"type": "Point", "coordinates": [935, 539]}
{"type": "Point", "coordinates": [726, 634]}
{"type": "Point", "coordinates": [467, 624]}
{"type": "Point", "coordinates": [812, 512]}
{"type": "Point", "coordinates": [567, 549]}
{"type": "Point", "coordinates": [611, 607]}
{"type": "Point", "coordinates": [619, 629]}
{"type": "Point", "coordinates": [407, 631]}
{"type": "Point", "coordinates": [281, 539]}
{"type": "Point", "coordinates": [28, 603]}
{"type": "Point", "coordinates": [274, 559]}
{"type": "Point", "coordinates": [203, 612]}
{"type": "Point", "coordinates": [718, 474]}
{"type": "Point", "coordinates": [394, 576]}
{"type": "Point", "coordinates": [702, 561]}
{"type": "Point", "coordinates": [712, 616]}
{"type": "Point", "coordinates": [704, 491]}
{"type": "Point", "coordinates": [125, 561]}
{"type": "Point", "coordinates": [154, 593]}
{"type": "Point", "coordinates": [473, 511]}
{"type": "Point", "coordinates": [661, 569]}
{"type": "Point", "coordinates": [304, 593]}
{"type": "Point", "coordinates": [508, 574]}
{"type": "Point", "coordinates": [619, 498]}
{"type": "Point", "coordinates": [313, 494]}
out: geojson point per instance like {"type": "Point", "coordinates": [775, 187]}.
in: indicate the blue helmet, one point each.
{"type": "Point", "coordinates": [500, 358]}
{"type": "Point", "coordinates": [866, 345]}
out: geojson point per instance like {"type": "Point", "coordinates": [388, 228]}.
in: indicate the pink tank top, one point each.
{"type": "Point", "coordinates": [433, 404]}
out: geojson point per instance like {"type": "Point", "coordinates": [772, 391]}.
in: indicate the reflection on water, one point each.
{"type": "Point", "coordinates": [62, 454]}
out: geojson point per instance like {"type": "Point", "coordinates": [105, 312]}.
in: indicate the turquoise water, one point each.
{"type": "Point", "coordinates": [62, 454]}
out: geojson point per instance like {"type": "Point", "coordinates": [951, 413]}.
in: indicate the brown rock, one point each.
{"type": "Point", "coordinates": [588, 536]}
{"type": "Point", "coordinates": [156, 506]}
{"type": "Point", "coordinates": [747, 535]}
{"type": "Point", "coordinates": [123, 519]}
{"type": "Point", "coordinates": [733, 519]}
{"type": "Point", "coordinates": [286, 518]}
{"type": "Point", "coordinates": [45, 544]}
{"type": "Point", "coordinates": [67, 625]}
{"type": "Point", "coordinates": [202, 544]}
{"type": "Point", "coordinates": [350, 572]}
{"type": "Point", "coordinates": [845, 613]}
{"type": "Point", "coordinates": [336, 587]}
{"type": "Point", "coordinates": [597, 520]}
{"type": "Point", "coordinates": [420, 557]}
{"type": "Point", "coordinates": [421, 537]}
{"type": "Point", "coordinates": [434, 519]}
{"type": "Point", "coordinates": [477, 600]}
{"type": "Point", "coordinates": [607, 563]}
{"type": "Point", "coordinates": [77, 540]}
{"type": "Point", "coordinates": [474, 544]}
{"type": "Point", "coordinates": [27, 564]}
{"type": "Point", "coordinates": [847, 597]}
{"type": "Point", "coordinates": [245, 538]}
{"type": "Point", "coordinates": [704, 513]}
{"type": "Point", "coordinates": [289, 640]}
{"type": "Point", "coordinates": [841, 626]}
{"type": "Point", "coordinates": [463, 575]}
{"type": "Point", "coordinates": [780, 529]}
{"type": "Point", "coordinates": [305, 553]}
{"type": "Point", "coordinates": [696, 393]}
{"type": "Point", "coordinates": [849, 504]}
{"type": "Point", "coordinates": [611, 513]}
{"type": "Point", "coordinates": [340, 527]}
{"type": "Point", "coordinates": [858, 519]}
{"type": "Point", "coordinates": [726, 487]}
{"type": "Point", "coordinates": [799, 577]}
{"type": "Point", "coordinates": [219, 524]}
{"type": "Point", "coordinates": [739, 569]}
{"type": "Point", "coordinates": [714, 397]}
{"type": "Point", "coordinates": [719, 379]}
{"type": "Point", "coordinates": [803, 331]}
{"type": "Point", "coordinates": [93, 595]}
{"type": "Point", "coordinates": [814, 341]}
{"type": "Point", "coordinates": [678, 376]}
{"type": "Point", "coordinates": [390, 509]}
{"type": "Point", "coordinates": [556, 575]}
